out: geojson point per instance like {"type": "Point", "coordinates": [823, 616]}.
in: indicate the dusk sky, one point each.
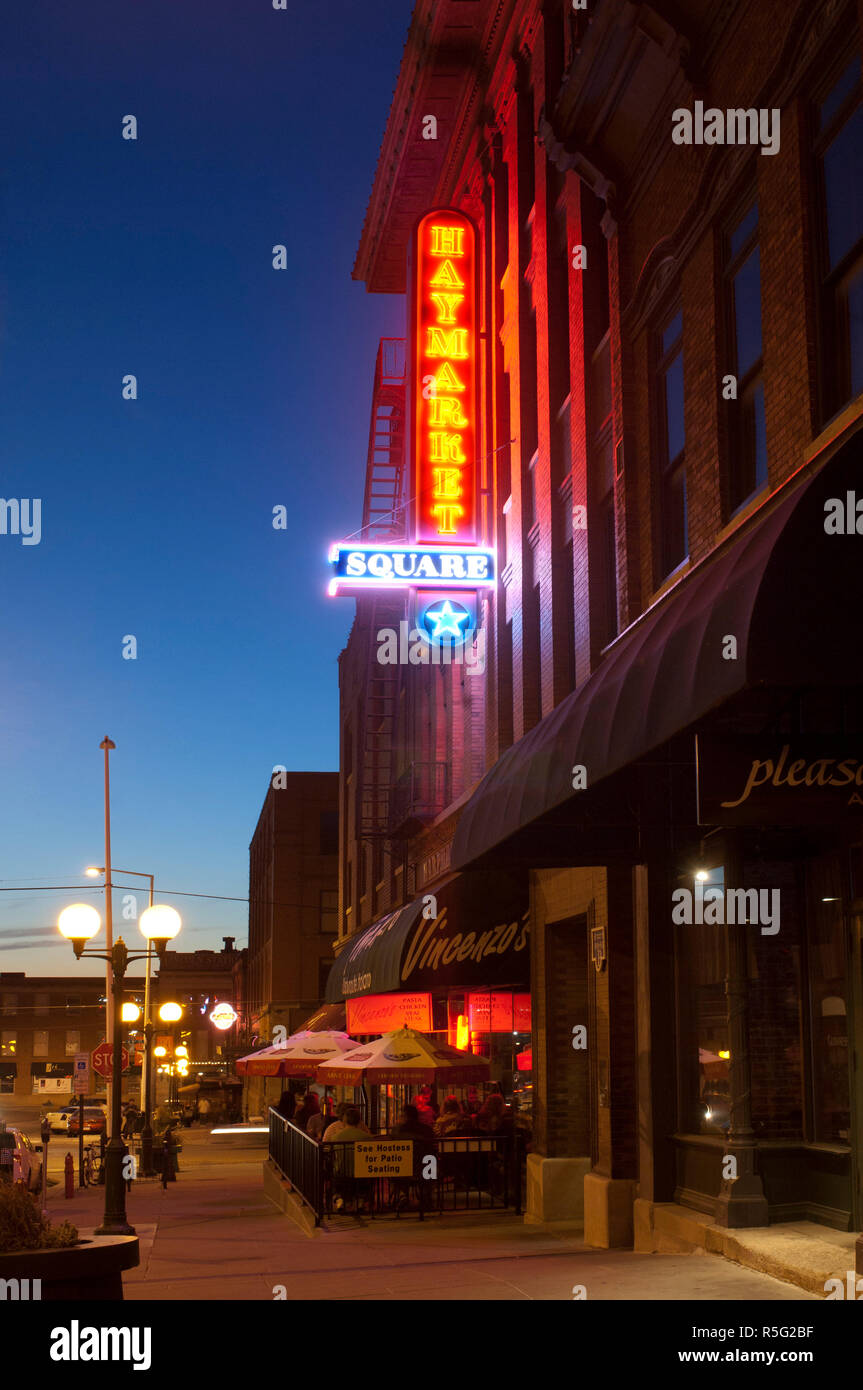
{"type": "Point", "coordinates": [154, 257]}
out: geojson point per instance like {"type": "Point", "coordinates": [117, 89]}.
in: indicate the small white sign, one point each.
{"type": "Point", "coordinates": [81, 1073]}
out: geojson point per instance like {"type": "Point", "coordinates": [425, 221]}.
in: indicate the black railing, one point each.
{"type": "Point", "coordinates": [461, 1173]}
{"type": "Point", "coordinates": [298, 1158]}
{"type": "Point", "coordinates": [419, 794]}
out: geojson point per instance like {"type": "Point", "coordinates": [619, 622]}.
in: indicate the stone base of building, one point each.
{"type": "Point", "coordinates": [555, 1190]}
{"type": "Point", "coordinates": [669, 1229]}
{"type": "Point", "coordinates": [797, 1252]}
{"type": "Point", "coordinates": [608, 1211]}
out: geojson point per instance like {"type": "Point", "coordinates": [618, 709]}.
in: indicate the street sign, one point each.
{"type": "Point", "coordinates": [102, 1058]}
{"type": "Point", "coordinates": [81, 1074]}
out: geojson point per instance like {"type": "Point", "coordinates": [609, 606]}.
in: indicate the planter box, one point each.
{"type": "Point", "coordinates": [93, 1269]}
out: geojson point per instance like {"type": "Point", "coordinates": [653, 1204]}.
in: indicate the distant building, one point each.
{"type": "Point", "coordinates": [44, 1022]}
{"type": "Point", "coordinates": [293, 901]}
{"type": "Point", "coordinates": [199, 981]}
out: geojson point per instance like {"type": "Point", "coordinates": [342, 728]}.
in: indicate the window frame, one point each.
{"type": "Point", "coordinates": [741, 437]}
{"type": "Point", "coordinates": [665, 468]}
{"type": "Point", "coordinates": [833, 385]}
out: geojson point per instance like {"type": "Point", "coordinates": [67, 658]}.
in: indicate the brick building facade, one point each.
{"type": "Point", "coordinates": [44, 1022]}
{"type": "Point", "coordinates": [293, 905]}
{"type": "Point", "coordinates": [671, 368]}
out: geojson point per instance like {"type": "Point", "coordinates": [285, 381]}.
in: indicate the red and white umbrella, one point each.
{"type": "Point", "coordinates": [299, 1055]}
{"type": "Point", "coordinates": [404, 1057]}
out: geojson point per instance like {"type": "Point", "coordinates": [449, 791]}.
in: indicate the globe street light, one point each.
{"type": "Point", "coordinates": [79, 923]}
{"type": "Point", "coordinates": [94, 871]}
{"type": "Point", "coordinates": [159, 923]}
{"type": "Point", "coordinates": [171, 1012]}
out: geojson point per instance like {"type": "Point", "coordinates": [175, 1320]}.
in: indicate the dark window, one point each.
{"type": "Point", "coordinates": [329, 832]}
{"type": "Point", "coordinates": [671, 440]}
{"type": "Point", "coordinates": [530, 509]}
{"type": "Point", "coordinates": [329, 911]}
{"type": "Point", "coordinates": [747, 438]}
{"type": "Point", "coordinates": [839, 149]}
{"type": "Point", "coordinates": [604, 568]}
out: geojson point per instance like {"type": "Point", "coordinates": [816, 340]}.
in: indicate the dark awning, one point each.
{"type": "Point", "coordinates": [474, 934]}
{"type": "Point", "coordinates": [784, 590]}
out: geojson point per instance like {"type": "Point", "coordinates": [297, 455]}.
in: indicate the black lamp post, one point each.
{"type": "Point", "coordinates": [79, 924]}
{"type": "Point", "coordinates": [147, 1131]}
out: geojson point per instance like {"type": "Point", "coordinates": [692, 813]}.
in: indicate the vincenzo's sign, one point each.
{"type": "Point", "coordinates": [779, 780]}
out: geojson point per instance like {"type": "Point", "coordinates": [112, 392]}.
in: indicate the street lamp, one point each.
{"type": "Point", "coordinates": [94, 871]}
{"type": "Point", "coordinates": [161, 922]}
{"type": "Point", "coordinates": [171, 1012]}
{"type": "Point", "coordinates": [79, 923]}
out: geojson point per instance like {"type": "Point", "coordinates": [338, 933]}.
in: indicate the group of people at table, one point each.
{"type": "Point", "coordinates": [421, 1119]}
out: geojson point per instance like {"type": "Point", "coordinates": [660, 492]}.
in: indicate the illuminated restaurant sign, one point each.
{"type": "Point", "coordinates": [382, 1013]}
{"type": "Point", "coordinates": [498, 1012]}
{"type": "Point", "coordinates": [223, 1016]}
{"type": "Point", "coordinates": [442, 398]}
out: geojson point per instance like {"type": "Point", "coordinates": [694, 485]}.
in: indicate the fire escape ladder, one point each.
{"type": "Point", "coordinates": [385, 521]}
{"type": "Point", "coordinates": [384, 501]}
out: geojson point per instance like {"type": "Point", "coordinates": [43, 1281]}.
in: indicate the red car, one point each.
{"type": "Point", "coordinates": [95, 1122]}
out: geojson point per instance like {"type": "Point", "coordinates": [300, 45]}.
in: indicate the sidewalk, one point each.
{"type": "Point", "coordinates": [214, 1235]}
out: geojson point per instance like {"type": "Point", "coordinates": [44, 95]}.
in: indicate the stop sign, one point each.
{"type": "Point", "coordinates": [102, 1059]}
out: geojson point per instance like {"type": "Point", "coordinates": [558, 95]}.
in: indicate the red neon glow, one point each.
{"type": "Point", "coordinates": [444, 379]}
{"type": "Point", "coordinates": [498, 1011]}
{"type": "Point", "coordinates": [382, 1013]}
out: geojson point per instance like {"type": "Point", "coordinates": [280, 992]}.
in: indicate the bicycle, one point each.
{"type": "Point", "coordinates": [92, 1171]}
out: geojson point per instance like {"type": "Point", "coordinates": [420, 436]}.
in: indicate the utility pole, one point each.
{"type": "Point", "coordinates": [107, 745]}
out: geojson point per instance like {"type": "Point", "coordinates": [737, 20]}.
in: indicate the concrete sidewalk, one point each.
{"type": "Point", "coordinates": [214, 1235]}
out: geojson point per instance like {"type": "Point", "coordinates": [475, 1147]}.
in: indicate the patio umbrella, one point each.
{"type": "Point", "coordinates": [404, 1057]}
{"type": "Point", "coordinates": [299, 1055]}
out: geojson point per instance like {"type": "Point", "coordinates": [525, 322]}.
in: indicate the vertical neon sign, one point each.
{"type": "Point", "coordinates": [444, 379]}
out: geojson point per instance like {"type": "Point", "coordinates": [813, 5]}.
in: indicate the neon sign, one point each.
{"type": "Point", "coordinates": [443, 379]}
{"type": "Point", "coordinates": [443, 550]}
{"type": "Point", "coordinates": [223, 1016]}
{"type": "Point", "coordinates": [432, 566]}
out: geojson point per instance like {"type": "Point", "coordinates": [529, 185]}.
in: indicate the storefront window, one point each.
{"type": "Point", "coordinates": [7, 1078]}
{"type": "Point", "coordinates": [703, 1016]}
{"type": "Point", "coordinates": [774, 1003]}
{"type": "Point", "coordinates": [831, 1113]}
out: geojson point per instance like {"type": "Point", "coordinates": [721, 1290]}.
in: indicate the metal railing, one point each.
{"type": "Point", "coordinates": [298, 1158]}
{"type": "Point", "coordinates": [420, 793]}
{"type": "Point", "coordinates": [458, 1173]}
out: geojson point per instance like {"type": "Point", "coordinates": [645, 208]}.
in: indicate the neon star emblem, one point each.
{"type": "Point", "coordinates": [447, 621]}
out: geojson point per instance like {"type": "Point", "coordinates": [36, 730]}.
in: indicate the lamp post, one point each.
{"type": "Point", "coordinates": [93, 871]}
{"type": "Point", "coordinates": [171, 1012]}
{"type": "Point", "coordinates": [79, 924]}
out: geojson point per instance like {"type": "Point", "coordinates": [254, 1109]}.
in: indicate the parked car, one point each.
{"type": "Point", "coordinates": [59, 1119]}
{"type": "Point", "coordinates": [28, 1161]}
{"type": "Point", "coordinates": [95, 1121]}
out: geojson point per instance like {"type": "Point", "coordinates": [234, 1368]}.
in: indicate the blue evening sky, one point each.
{"type": "Point", "coordinates": [154, 257]}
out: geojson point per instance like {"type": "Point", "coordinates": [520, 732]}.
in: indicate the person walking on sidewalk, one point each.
{"type": "Point", "coordinates": [203, 1110]}
{"type": "Point", "coordinates": [169, 1158]}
